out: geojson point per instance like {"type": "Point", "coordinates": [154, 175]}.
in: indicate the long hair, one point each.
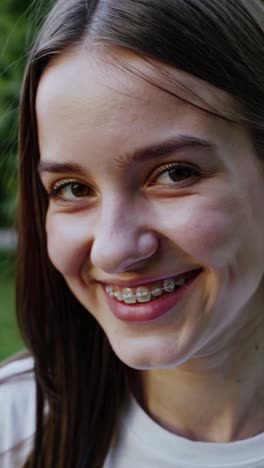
{"type": "Point", "coordinates": [77, 373]}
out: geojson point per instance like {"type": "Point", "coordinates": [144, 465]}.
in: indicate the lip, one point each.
{"type": "Point", "coordinates": [149, 311]}
{"type": "Point", "coordinates": [146, 280]}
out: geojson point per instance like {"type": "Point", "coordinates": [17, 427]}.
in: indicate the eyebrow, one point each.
{"type": "Point", "coordinates": [59, 168]}
{"type": "Point", "coordinates": [165, 148]}
{"type": "Point", "coordinates": [139, 156]}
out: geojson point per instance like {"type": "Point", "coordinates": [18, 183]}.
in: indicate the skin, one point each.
{"type": "Point", "coordinates": [197, 369]}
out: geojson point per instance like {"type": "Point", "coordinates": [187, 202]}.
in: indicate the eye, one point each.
{"type": "Point", "coordinates": [174, 173]}
{"type": "Point", "coordinates": [69, 190]}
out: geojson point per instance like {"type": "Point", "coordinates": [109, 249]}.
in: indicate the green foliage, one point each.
{"type": "Point", "coordinates": [10, 339]}
{"type": "Point", "coordinates": [13, 35]}
{"type": "Point", "coordinates": [7, 263]}
{"type": "Point", "coordinates": [18, 21]}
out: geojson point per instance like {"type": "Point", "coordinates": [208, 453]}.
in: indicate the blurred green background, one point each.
{"type": "Point", "coordinates": [10, 341]}
{"type": "Point", "coordinates": [18, 21]}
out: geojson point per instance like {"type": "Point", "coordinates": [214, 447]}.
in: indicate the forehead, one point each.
{"type": "Point", "coordinates": [120, 75]}
{"type": "Point", "coordinates": [113, 101]}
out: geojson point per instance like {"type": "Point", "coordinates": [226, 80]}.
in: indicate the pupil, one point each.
{"type": "Point", "coordinates": [79, 190]}
{"type": "Point", "coordinates": [179, 173]}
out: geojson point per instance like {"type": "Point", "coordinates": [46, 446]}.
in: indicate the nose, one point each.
{"type": "Point", "coordinates": [122, 239]}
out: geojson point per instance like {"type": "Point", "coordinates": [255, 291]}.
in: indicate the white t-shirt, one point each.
{"type": "Point", "coordinates": [17, 412]}
{"type": "Point", "coordinates": [140, 443]}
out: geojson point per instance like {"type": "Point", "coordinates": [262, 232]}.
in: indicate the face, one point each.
{"type": "Point", "coordinates": [144, 187]}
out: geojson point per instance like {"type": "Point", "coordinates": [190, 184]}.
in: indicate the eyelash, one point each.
{"type": "Point", "coordinates": [57, 188]}
{"type": "Point", "coordinates": [55, 191]}
{"type": "Point", "coordinates": [171, 166]}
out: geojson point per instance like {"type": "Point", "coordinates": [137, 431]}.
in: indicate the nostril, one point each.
{"type": "Point", "coordinates": [123, 253]}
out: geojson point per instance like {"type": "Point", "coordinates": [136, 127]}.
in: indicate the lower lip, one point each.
{"type": "Point", "coordinates": [149, 311]}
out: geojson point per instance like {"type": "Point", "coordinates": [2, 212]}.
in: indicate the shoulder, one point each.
{"type": "Point", "coordinates": [17, 408]}
{"type": "Point", "coordinates": [15, 367]}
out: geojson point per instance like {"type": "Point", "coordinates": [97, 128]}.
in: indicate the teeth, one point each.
{"type": "Point", "coordinates": [143, 294]}
{"type": "Point", "coordinates": [118, 295]}
{"type": "Point", "coordinates": [157, 291]}
{"type": "Point", "coordinates": [180, 281]}
{"type": "Point", "coordinates": [110, 291]}
{"type": "Point", "coordinates": [128, 296]}
{"type": "Point", "coordinates": [169, 285]}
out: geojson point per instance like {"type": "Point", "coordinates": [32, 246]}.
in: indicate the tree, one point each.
{"type": "Point", "coordinates": [12, 44]}
{"type": "Point", "coordinates": [18, 21]}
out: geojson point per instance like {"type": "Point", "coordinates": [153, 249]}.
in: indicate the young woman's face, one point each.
{"type": "Point", "coordinates": [143, 188]}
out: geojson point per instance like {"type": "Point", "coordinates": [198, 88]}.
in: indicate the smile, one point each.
{"type": "Point", "coordinates": [149, 292]}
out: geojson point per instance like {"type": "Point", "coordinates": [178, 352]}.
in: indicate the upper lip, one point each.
{"type": "Point", "coordinates": [140, 281]}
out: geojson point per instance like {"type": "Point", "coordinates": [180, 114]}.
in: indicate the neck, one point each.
{"type": "Point", "coordinates": [219, 398]}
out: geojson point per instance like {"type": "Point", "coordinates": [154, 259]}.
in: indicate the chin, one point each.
{"type": "Point", "coordinates": [149, 353]}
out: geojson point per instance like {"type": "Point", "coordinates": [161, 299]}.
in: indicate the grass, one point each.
{"type": "Point", "coordinates": [10, 341]}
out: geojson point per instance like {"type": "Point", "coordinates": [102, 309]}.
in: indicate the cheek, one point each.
{"type": "Point", "coordinates": [66, 242]}
{"type": "Point", "coordinates": [213, 237]}
{"type": "Point", "coordinates": [209, 232]}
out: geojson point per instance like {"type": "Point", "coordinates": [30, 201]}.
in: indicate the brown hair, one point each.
{"type": "Point", "coordinates": [219, 41]}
